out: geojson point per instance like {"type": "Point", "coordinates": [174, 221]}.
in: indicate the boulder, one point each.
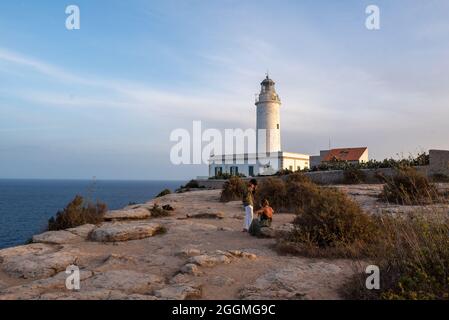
{"type": "Point", "coordinates": [57, 237]}
{"type": "Point", "coordinates": [179, 292]}
{"type": "Point", "coordinates": [121, 231]}
{"type": "Point", "coordinates": [128, 214]}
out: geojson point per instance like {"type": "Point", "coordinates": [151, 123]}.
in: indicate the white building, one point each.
{"type": "Point", "coordinates": [269, 157]}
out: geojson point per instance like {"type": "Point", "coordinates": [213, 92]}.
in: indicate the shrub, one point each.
{"type": "Point", "coordinates": [163, 193]}
{"type": "Point", "coordinates": [440, 177]}
{"type": "Point", "coordinates": [283, 193]}
{"type": "Point", "coordinates": [353, 175]}
{"type": "Point", "coordinates": [157, 211]}
{"type": "Point", "coordinates": [76, 214]}
{"type": "Point", "coordinates": [413, 257]}
{"type": "Point", "coordinates": [274, 190]}
{"type": "Point", "coordinates": [328, 219]}
{"type": "Point", "coordinates": [192, 184]}
{"type": "Point", "coordinates": [233, 189]}
{"type": "Point", "coordinates": [408, 187]}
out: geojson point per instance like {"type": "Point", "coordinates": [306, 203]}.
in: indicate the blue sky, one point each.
{"type": "Point", "coordinates": [101, 101]}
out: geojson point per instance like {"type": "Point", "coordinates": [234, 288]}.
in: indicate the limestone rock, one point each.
{"type": "Point", "coordinates": [57, 237]}
{"type": "Point", "coordinates": [128, 214]}
{"type": "Point", "coordinates": [83, 231]}
{"type": "Point", "coordinates": [31, 266]}
{"type": "Point", "coordinates": [221, 281]}
{"type": "Point", "coordinates": [189, 252]}
{"type": "Point", "coordinates": [128, 281]}
{"type": "Point", "coordinates": [121, 231]}
{"type": "Point", "coordinates": [209, 260]}
{"type": "Point", "coordinates": [190, 268]}
{"type": "Point", "coordinates": [294, 282]}
{"type": "Point", "coordinates": [34, 248]}
{"type": "Point", "coordinates": [36, 288]}
{"type": "Point", "coordinates": [179, 292]}
{"type": "Point", "coordinates": [116, 261]}
{"type": "Point", "coordinates": [243, 254]}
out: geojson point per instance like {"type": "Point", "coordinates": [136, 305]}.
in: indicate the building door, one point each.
{"type": "Point", "coordinates": [251, 171]}
{"type": "Point", "coordinates": [218, 171]}
{"type": "Point", "coordinates": [234, 171]}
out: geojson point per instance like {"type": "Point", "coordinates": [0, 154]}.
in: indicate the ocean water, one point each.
{"type": "Point", "coordinates": [26, 205]}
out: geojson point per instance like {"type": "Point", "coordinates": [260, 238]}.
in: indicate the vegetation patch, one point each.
{"type": "Point", "coordinates": [409, 187]}
{"type": "Point", "coordinates": [353, 175]}
{"type": "Point", "coordinates": [157, 211]}
{"type": "Point", "coordinates": [163, 193]}
{"type": "Point", "coordinates": [78, 212]}
{"type": "Point", "coordinates": [233, 189]}
{"type": "Point", "coordinates": [413, 258]}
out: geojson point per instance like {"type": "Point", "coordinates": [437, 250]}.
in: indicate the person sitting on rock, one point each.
{"type": "Point", "coordinates": [265, 217]}
{"type": "Point", "coordinates": [265, 214]}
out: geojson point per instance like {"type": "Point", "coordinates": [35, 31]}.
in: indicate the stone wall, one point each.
{"type": "Point", "coordinates": [323, 177]}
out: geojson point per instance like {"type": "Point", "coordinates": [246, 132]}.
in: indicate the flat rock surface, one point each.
{"type": "Point", "coordinates": [57, 237]}
{"type": "Point", "coordinates": [128, 214]}
{"type": "Point", "coordinates": [116, 231]}
{"type": "Point", "coordinates": [208, 257]}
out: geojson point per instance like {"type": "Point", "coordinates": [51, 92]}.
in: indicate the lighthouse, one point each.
{"type": "Point", "coordinates": [268, 118]}
{"type": "Point", "coordinates": [269, 157]}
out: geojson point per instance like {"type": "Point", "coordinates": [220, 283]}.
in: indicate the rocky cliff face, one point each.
{"type": "Point", "coordinates": [198, 252]}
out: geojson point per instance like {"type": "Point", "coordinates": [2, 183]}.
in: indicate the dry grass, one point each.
{"type": "Point", "coordinates": [77, 213]}
{"type": "Point", "coordinates": [409, 187]}
{"type": "Point", "coordinates": [413, 257]}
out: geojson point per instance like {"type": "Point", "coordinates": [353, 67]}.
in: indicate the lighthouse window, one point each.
{"type": "Point", "coordinates": [278, 126]}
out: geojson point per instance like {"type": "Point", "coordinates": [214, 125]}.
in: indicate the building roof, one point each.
{"type": "Point", "coordinates": [345, 154]}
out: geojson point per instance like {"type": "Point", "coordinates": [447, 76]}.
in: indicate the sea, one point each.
{"type": "Point", "coordinates": [26, 205]}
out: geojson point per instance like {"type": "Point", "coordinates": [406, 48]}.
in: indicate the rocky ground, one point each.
{"type": "Point", "coordinates": [198, 252]}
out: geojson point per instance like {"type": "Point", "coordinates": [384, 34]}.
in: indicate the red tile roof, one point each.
{"type": "Point", "coordinates": [345, 154]}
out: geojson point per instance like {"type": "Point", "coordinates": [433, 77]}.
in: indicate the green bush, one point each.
{"type": "Point", "coordinates": [163, 193]}
{"type": "Point", "coordinates": [77, 213]}
{"type": "Point", "coordinates": [409, 187]}
{"type": "Point", "coordinates": [192, 184]}
{"type": "Point", "coordinates": [233, 189]}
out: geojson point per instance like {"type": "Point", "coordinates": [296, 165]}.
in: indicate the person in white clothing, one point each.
{"type": "Point", "coordinates": [248, 204]}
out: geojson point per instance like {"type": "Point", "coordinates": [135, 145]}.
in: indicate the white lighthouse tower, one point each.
{"type": "Point", "coordinates": [268, 118]}
{"type": "Point", "coordinates": [269, 158]}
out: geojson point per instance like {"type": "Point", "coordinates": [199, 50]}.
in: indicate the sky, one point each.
{"type": "Point", "coordinates": [102, 100]}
